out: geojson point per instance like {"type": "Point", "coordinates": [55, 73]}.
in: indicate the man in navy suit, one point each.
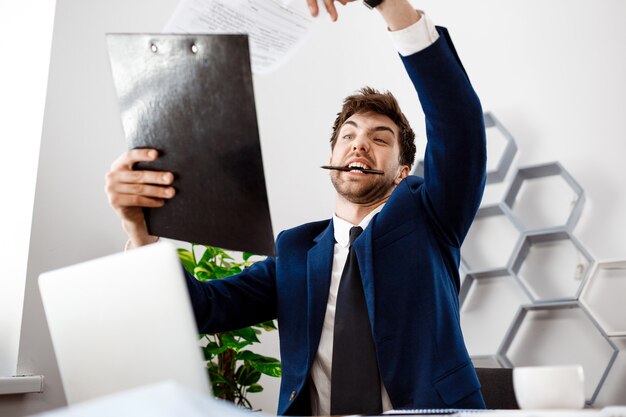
{"type": "Point", "coordinates": [406, 258]}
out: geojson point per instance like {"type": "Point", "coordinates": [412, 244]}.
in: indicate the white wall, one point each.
{"type": "Point", "coordinates": [552, 72]}
{"type": "Point", "coordinates": [25, 38]}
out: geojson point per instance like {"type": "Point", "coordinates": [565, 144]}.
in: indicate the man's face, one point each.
{"type": "Point", "coordinates": [369, 140]}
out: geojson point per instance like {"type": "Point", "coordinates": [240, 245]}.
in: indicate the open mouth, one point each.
{"type": "Point", "coordinates": [350, 168]}
{"type": "Point", "coordinates": [357, 166]}
{"type": "Point", "coordinates": [362, 167]}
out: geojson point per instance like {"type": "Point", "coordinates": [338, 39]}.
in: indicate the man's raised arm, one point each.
{"type": "Point", "coordinates": [398, 14]}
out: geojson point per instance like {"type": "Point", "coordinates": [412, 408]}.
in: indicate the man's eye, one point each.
{"type": "Point", "coordinates": [347, 137]}
{"type": "Point", "coordinates": [379, 140]}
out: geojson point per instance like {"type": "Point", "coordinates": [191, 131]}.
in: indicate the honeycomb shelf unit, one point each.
{"type": "Point", "coordinates": [552, 265]}
{"type": "Point", "coordinates": [491, 239]}
{"type": "Point", "coordinates": [531, 293]}
{"type": "Point", "coordinates": [603, 296]}
{"type": "Point", "coordinates": [557, 199]}
{"type": "Point", "coordinates": [489, 300]}
{"type": "Point", "coordinates": [560, 333]}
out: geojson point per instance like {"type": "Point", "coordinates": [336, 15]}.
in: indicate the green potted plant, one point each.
{"type": "Point", "coordinates": [233, 368]}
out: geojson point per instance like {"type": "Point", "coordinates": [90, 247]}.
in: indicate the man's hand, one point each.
{"type": "Point", "coordinates": [330, 7]}
{"type": "Point", "coordinates": [130, 191]}
{"type": "Point", "coordinates": [398, 14]}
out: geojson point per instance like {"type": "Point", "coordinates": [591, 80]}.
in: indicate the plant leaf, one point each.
{"type": "Point", "coordinates": [272, 369]}
{"type": "Point", "coordinates": [247, 333]}
{"type": "Point", "coordinates": [223, 254]}
{"type": "Point", "coordinates": [216, 378]}
{"type": "Point", "coordinates": [246, 355]}
{"type": "Point", "coordinates": [221, 272]}
{"type": "Point", "coordinates": [216, 263]}
{"type": "Point", "coordinates": [187, 259]}
{"type": "Point", "coordinates": [210, 252]}
{"type": "Point", "coordinates": [255, 388]}
{"type": "Point", "coordinates": [264, 364]}
{"type": "Point", "coordinates": [234, 270]}
{"type": "Point", "coordinates": [220, 382]}
{"type": "Point", "coordinates": [247, 375]}
{"type": "Point", "coordinates": [202, 273]}
{"type": "Point", "coordinates": [229, 341]}
{"type": "Point", "coordinates": [267, 325]}
{"type": "Point", "coordinates": [212, 348]}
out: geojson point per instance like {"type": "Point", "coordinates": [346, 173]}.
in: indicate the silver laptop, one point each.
{"type": "Point", "coordinates": [122, 321]}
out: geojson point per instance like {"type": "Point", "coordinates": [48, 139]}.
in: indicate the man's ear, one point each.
{"type": "Point", "coordinates": [404, 172]}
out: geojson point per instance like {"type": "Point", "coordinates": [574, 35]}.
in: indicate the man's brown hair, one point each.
{"type": "Point", "coordinates": [368, 99]}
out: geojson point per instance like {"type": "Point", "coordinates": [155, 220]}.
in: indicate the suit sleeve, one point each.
{"type": "Point", "coordinates": [238, 301]}
{"type": "Point", "coordinates": [455, 158]}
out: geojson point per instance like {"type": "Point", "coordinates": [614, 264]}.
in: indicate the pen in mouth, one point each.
{"type": "Point", "coordinates": [346, 169]}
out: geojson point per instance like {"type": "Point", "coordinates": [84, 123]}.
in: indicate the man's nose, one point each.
{"type": "Point", "coordinates": [360, 143]}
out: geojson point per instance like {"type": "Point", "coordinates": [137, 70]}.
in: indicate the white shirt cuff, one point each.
{"type": "Point", "coordinates": [127, 246]}
{"type": "Point", "coordinates": [416, 37]}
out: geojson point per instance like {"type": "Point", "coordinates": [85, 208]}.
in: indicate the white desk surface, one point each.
{"type": "Point", "coordinates": [170, 399]}
{"type": "Point", "coordinates": [618, 411]}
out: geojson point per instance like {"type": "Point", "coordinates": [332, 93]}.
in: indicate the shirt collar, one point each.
{"type": "Point", "coordinates": [342, 227]}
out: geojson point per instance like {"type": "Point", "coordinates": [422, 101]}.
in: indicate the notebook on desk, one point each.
{"type": "Point", "coordinates": [605, 412]}
{"type": "Point", "coordinates": [122, 321]}
{"type": "Point", "coordinates": [433, 412]}
{"type": "Point", "coordinates": [533, 413]}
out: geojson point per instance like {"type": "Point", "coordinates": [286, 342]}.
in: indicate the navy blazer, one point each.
{"type": "Point", "coordinates": [408, 256]}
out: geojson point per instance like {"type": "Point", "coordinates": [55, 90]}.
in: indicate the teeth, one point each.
{"type": "Point", "coordinates": [357, 165]}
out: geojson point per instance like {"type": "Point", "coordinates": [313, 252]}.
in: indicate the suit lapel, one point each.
{"type": "Point", "coordinates": [363, 247]}
{"type": "Point", "coordinates": [319, 269]}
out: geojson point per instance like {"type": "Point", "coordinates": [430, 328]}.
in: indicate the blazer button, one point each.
{"type": "Point", "coordinates": [292, 396]}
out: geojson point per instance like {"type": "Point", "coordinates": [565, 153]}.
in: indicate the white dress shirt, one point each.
{"type": "Point", "coordinates": [321, 369]}
{"type": "Point", "coordinates": [407, 41]}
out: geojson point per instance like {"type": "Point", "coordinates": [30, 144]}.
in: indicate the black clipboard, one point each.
{"type": "Point", "coordinates": [191, 98]}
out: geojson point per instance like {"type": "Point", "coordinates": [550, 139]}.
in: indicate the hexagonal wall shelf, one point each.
{"type": "Point", "coordinates": [613, 390]}
{"type": "Point", "coordinates": [603, 296]}
{"type": "Point", "coordinates": [491, 239]}
{"type": "Point", "coordinates": [560, 334]}
{"type": "Point", "coordinates": [501, 150]}
{"type": "Point", "coordinates": [552, 266]}
{"type": "Point", "coordinates": [486, 361]}
{"type": "Point", "coordinates": [545, 197]}
{"type": "Point", "coordinates": [530, 293]}
{"type": "Point", "coordinates": [489, 300]}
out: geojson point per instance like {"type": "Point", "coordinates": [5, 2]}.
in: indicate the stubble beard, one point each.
{"type": "Point", "coordinates": [362, 192]}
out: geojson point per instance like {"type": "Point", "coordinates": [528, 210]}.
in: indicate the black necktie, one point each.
{"type": "Point", "coordinates": [355, 381]}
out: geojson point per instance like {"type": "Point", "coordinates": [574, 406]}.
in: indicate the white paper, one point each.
{"type": "Point", "coordinates": [276, 28]}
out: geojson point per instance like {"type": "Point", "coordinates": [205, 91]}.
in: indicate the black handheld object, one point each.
{"type": "Point", "coordinates": [191, 98]}
{"type": "Point", "coordinates": [346, 169]}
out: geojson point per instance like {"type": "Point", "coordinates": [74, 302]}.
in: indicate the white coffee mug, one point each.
{"type": "Point", "coordinates": [549, 387]}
